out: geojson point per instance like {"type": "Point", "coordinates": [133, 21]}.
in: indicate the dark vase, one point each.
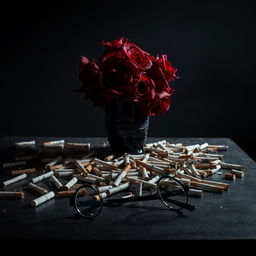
{"type": "Point", "coordinates": [126, 128]}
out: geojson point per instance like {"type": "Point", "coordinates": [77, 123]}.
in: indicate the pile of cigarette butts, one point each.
{"type": "Point", "coordinates": [76, 164]}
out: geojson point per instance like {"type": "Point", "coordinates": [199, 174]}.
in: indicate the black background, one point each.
{"type": "Point", "coordinates": [211, 43]}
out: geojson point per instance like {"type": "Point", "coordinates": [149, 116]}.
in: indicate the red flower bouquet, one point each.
{"type": "Point", "coordinates": [127, 71]}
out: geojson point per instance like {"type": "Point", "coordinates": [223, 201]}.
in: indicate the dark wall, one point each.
{"type": "Point", "coordinates": [211, 43]}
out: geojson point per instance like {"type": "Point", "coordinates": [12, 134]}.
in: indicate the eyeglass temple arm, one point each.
{"type": "Point", "coordinates": [180, 204]}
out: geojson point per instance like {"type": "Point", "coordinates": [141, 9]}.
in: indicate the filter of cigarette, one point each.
{"type": "Point", "coordinates": [86, 179]}
{"type": "Point", "coordinates": [28, 171]}
{"type": "Point", "coordinates": [42, 177]}
{"type": "Point", "coordinates": [230, 176]}
{"type": "Point", "coordinates": [11, 195]}
{"type": "Point", "coordinates": [109, 158]}
{"type": "Point", "coordinates": [16, 179]}
{"type": "Point", "coordinates": [70, 193]}
{"type": "Point", "coordinates": [57, 166]}
{"type": "Point", "coordinates": [78, 145]}
{"type": "Point", "coordinates": [37, 188]}
{"type": "Point", "coordinates": [42, 199]}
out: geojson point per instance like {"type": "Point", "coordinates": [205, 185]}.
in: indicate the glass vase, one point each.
{"type": "Point", "coordinates": [126, 128]}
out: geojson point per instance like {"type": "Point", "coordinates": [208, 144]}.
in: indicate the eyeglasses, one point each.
{"type": "Point", "coordinates": [89, 202]}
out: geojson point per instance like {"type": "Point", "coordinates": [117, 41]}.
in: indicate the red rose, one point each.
{"type": "Point", "coordinates": [128, 71]}
{"type": "Point", "coordinates": [136, 55]}
{"type": "Point", "coordinates": [90, 76]}
{"type": "Point", "coordinates": [115, 44]}
{"type": "Point", "coordinates": [88, 70]}
{"type": "Point", "coordinates": [132, 52]}
{"type": "Point", "coordinates": [158, 105]}
{"type": "Point", "coordinates": [118, 73]}
{"type": "Point", "coordinates": [143, 89]}
{"type": "Point", "coordinates": [162, 69]}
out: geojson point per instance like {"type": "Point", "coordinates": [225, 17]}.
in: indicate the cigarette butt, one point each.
{"type": "Point", "coordinates": [88, 168]}
{"type": "Point", "coordinates": [28, 171]}
{"type": "Point", "coordinates": [194, 171]}
{"type": "Point", "coordinates": [121, 176]}
{"type": "Point", "coordinates": [24, 143]}
{"type": "Point", "coordinates": [11, 195]}
{"type": "Point", "coordinates": [101, 196]}
{"type": "Point", "coordinates": [219, 147]}
{"type": "Point", "coordinates": [231, 166]}
{"type": "Point", "coordinates": [104, 188]}
{"type": "Point", "coordinates": [203, 146]}
{"type": "Point", "coordinates": [54, 161]}
{"type": "Point", "coordinates": [203, 174]}
{"type": "Point", "coordinates": [238, 174]}
{"type": "Point", "coordinates": [74, 145]}
{"type": "Point", "coordinates": [151, 168]}
{"type": "Point", "coordinates": [56, 182]}
{"type": "Point", "coordinates": [100, 162]}
{"type": "Point", "coordinates": [68, 185]}
{"type": "Point", "coordinates": [146, 183]}
{"type": "Point", "coordinates": [16, 179]}
{"type": "Point", "coordinates": [138, 189]}
{"type": "Point", "coordinates": [195, 192]}
{"type": "Point", "coordinates": [70, 193]}
{"type": "Point", "coordinates": [37, 188]}
{"type": "Point", "coordinates": [98, 178]}
{"type": "Point", "coordinates": [51, 147]}
{"type": "Point", "coordinates": [206, 187]}
{"type": "Point", "coordinates": [64, 174]}
{"type": "Point", "coordinates": [81, 168]}
{"type": "Point", "coordinates": [54, 142]}
{"type": "Point", "coordinates": [205, 166]}
{"type": "Point", "coordinates": [145, 173]}
{"type": "Point", "coordinates": [217, 183]}
{"type": "Point", "coordinates": [118, 189]}
{"type": "Point", "coordinates": [154, 180]}
{"type": "Point", "coordinates": [230, 176]}
{"type": "Point", "coordinates": [54, 167]}
{"type": "Point", "coordinates": [109, 158]}
{"type": "Point", "coordinates": [42, 199]}
{"type": "Point", "coordinates": [42, 177]}
{"type": "Point", "coordinates": [13, 164]}
{"type": "Point", "coordinates": [87, 179]}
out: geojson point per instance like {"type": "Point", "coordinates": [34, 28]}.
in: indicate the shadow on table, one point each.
{"type": "Point", "coordinates": [133, 215]}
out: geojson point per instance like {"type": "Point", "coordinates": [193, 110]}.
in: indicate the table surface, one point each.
{"type": "Point", "coordinates": [231, 215]}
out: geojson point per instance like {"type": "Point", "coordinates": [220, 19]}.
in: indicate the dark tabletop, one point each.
{"type": "Point", "coordinates": [231, 215]}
